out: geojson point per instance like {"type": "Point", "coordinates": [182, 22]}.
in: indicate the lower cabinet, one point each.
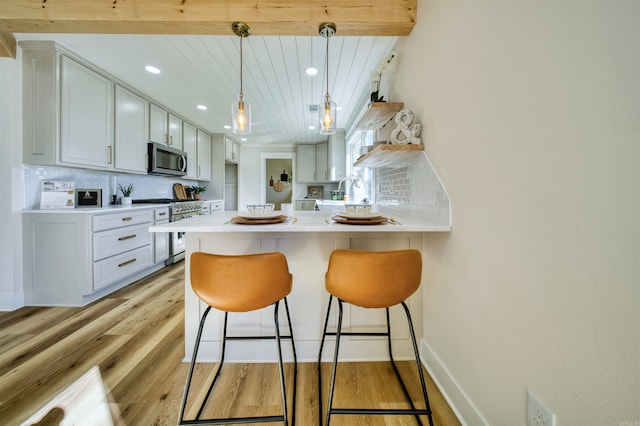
{"type": "Point", "coordinates": [74, 258]}
{"type": "Point", "coordinates": [161, 239]}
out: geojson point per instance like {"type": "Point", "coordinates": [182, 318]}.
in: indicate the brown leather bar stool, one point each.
{"type": "Point", "coordinates": [375, 279]}
{"type": "Point", "coordinates": [242, 283]}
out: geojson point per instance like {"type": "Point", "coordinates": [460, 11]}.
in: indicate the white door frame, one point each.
{"type": "Point", "coordinates": [264, 156]}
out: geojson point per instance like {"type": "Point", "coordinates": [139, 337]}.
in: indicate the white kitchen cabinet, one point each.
{"type": "Point", "coordinates": [322, 161]}
{"type": "Point", "coordinates": [322, 169]}
{"type": "Point", "coordinates": [131, 131]}
{"type": "Point", "coordinates": [161, 239]}
{"type": "Point", "coordinates": [158, 125]}
{"type": "Point", "coordinates": [175, 132]}
{"type": "Point", "coordinates": [231, 151]}
{"type": "Point", "coordinates": [73, 258]}
{"type": "Point", "coordinates": [86, 116]}
{"type": "Point", "coordinates": [203, 168]}
{"type": "Point", "coordinates": [67, 109]}
{"type": "Point", "coordinates": [189, 147]}
{"type": "Point", "coordinates": [336, 156]}
{"type": "Point", "coordinates": [305, 163]}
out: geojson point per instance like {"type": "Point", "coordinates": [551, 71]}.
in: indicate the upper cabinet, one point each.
{"type": "Point", "coordinates": [67, 110]}
{"type": "Point", "coordinates": [322, 161]}
{"type": "Point", "coordinates": [131, 131]}
{"type": "Point", "coordinates": [158, 125]}
{"type": "Point", "coordinates": [231, 151]}
{"type": "Point", "coordinates": [203, 148]}
{"type": "Point", "coordinates": [76, 115]}
{"type": "Point", "coordinates": [189, 147]}
{"type": "Point", "coordinates": [175, 132]}
{"type": "Point", "coordinates": [86, 120]}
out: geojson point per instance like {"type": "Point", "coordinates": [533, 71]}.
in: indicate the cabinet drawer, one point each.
{"type": "Point", "coordinates": [217, 206]}
{"type": "Point", "coordinates": [116, 241]}
{"type": "Point", "coordinates": [113, 269]}
{"type": "Point", "coordinates": [161, 214]}
{"type": "Point", "coordinates": [116, 220]}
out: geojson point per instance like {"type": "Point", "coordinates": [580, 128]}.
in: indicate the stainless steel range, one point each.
{"type": "Point", "coordinates": [181, 210]}
{"type": "Point", "coordinates": [178, 210]}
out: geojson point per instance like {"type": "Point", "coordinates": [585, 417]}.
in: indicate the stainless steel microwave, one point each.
{"type": "Point", "coordinates": [166, 161]}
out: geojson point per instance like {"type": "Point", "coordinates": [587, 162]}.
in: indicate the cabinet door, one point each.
{"type": "Point", "coordinates": [337, 156]}
{"type": "Point", "coordinates": [175, 132]}
{"type": "Point", "coordinates": [86, 116]}
{"type": "Point", "coordinates": [306, 163]}
{"type": "Point", "coordinates": [158, 125]}
{"type": "Point", "coordinates": [131, 131]}
{"type": "Point", "coordinates": [231, 151]}
{"type": "Point", "coordinates": [189, 146]}
{"type": "Point", "coordinates": [322, 159]}
{"type": "Point", "coordinates": [204, 155]}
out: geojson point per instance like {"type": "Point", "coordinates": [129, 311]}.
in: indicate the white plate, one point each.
{"type": "Point", "coordinates": [371, 215]}
{"type": "Point", "coordinates": [247, 215]}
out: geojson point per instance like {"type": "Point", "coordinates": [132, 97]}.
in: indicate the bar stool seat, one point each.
{"type": "Point", "coordinates": [372, 279]}
{"type": "Point", "coordinates": [241, 283]}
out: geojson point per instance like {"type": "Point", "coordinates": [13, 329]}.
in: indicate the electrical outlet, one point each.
{"type": "Point", "coordinates": [538, 414]}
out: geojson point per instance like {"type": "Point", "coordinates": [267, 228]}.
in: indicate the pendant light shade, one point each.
{"type": "Point", "coordinates": [240, 109]}
{"type": "Point", "coordinates": [327, 108]}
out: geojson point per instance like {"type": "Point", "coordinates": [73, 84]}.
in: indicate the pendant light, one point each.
{"type": "Point", "coordinates": [240, 109]}
{"type": "Point", "coordinates": [327, 108]}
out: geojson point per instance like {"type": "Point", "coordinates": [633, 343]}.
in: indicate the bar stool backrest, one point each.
{"type": "Point", "coordinates": [240, 283]}
{"type": "Point", "coordinates": [373, 279]}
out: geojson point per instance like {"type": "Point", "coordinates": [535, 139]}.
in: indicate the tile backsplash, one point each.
{"type": "Point", "coordinates": [145, 186]}
{"type": "Point", "coordinates": [412, 185]}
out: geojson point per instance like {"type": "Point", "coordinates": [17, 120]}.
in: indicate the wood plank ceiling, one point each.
{"type": "Point", "coordinates": [192, 44]}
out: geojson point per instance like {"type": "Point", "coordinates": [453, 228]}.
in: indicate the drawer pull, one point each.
{"type": "Point", "coordinates": [127, 262]}
{"type": "Point", "coordinates": [125, 219]}
{"type": "Point", "coordinates": [128, 237]}
{"type": "Point", "coordinates": [162, 214]}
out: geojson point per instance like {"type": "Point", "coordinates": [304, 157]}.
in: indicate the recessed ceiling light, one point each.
{"type": "Point", "coordinates": [339, 108]}
{"type": "Point", "coordinates": [243, 139]}
{"type": "Point", "coordinates": [202, 107]}
{"type": "Point", "coordinates": [312, 127]}
{"type": "Point", "coordinates": [152, 69]}
{"type": "Point", "coordinates": [227, 127]}
{"type": "Point", "coordinates": [311, 70]}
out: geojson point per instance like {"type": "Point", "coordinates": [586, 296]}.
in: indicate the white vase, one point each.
{"type": "Point", "coordinates": [126, 201]}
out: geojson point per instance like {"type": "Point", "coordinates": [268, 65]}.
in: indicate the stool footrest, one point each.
{"type": "Point", "coordinates": [379, 411]}
{"type": "Point", "coordinates": [256, 337]}
{"type": "Point", "coordinates": [354, 333]}
{"type": "Point", "coordinates": [233, 421]}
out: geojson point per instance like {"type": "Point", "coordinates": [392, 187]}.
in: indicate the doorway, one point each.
{"type": "Point", "coordinates": [277, 178]}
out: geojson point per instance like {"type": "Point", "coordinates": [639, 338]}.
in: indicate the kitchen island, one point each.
{"type": "Point", "coordinates": [307, 241]}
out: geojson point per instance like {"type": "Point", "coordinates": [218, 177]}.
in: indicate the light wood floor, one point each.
{"type": "Point", "coordinates": [136, 339]}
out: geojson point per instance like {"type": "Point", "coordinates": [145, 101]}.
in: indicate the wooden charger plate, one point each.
{"type": "Point", "coordinates": [373, 221]}
{"type": "Point", "coordinates": [243, 221]}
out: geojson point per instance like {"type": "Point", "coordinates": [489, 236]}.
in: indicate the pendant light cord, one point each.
{"type": "Point", "coordinates": [241, 37]}
{"type": "Point", "coordinates": [327, 71]}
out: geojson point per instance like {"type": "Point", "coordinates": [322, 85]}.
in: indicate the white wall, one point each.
{"type": "Point", "coordinates": [531, 117]}
{"type": "Point", "coordinates": [11, 295]}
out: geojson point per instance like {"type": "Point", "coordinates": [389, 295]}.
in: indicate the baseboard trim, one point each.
{"type": "Point", "coordinates": [459, 402]}
{"type": "Point", "coordinates": [11, 301]}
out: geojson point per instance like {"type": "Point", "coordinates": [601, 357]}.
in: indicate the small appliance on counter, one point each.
{"type": "Point", "coordinates": [89, 198]}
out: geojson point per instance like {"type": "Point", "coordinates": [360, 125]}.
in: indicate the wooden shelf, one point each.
{"type": "Point", "coordinates": [378, 114]}
{"type": "Point", "coordinates": [383, 155]}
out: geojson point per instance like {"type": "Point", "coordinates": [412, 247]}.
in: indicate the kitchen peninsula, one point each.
{"type": "Point", "coordinates": [307, 242]}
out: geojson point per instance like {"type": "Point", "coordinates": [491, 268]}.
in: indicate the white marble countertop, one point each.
{"type": "Point", "coordinates": [305, 221]}
{"type": "Point", "coordinates": [97, 210]}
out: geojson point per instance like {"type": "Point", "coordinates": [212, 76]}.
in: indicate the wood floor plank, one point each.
{"type": "Point", "coordinates": [136, 338]}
